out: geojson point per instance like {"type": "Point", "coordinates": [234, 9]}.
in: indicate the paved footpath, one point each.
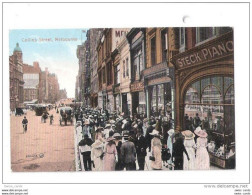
{"type": "Point", "coordinates": [44, 147]}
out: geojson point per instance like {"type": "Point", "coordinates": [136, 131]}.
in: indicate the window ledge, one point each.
{"type": "Point", "coordinates": [202, 42]}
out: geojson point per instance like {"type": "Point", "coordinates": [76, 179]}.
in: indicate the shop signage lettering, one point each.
{"type": "Point", "coordinates": [208, 53]}
{"type": "Point", "coordinates": [120, 33]}
{"type": "Point", "coordinates": [137, 86]}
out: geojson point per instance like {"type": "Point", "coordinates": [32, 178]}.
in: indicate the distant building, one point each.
{"type": "Point", "coordinates": [63, 94]}
{"type": "Point", "coordinates": [31, 78]}
{"type": "Point", "coordinates": [48, 87]}
{"type": "Point", "coordinates": [94, 34]}
{"type": "Point", "coordinates": [16, 78]}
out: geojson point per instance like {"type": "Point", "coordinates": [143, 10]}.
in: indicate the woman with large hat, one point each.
{"type": "Point", "coordinates": [110, 153]}
{"type": "Point", "coordinates": [202, 161]}
{"type": "Point", "coordinates": [156, 147]}
{"type": "Point", "coordinates": [190, 147]}
{"type": "Point", "coordinates": [97, 154]}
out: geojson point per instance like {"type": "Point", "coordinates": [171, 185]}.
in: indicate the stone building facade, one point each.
{"type": "Point", "coordinates": [16, 78]}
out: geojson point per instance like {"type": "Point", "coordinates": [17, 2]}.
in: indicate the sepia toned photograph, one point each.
{"type": "Point", "coordinates": [122, 99]}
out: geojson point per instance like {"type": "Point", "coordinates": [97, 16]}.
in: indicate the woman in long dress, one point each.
{"type": "Point", "coordinates": [97, 154]}
{"type": "Point", "coordinates": [170, 142]}
{"type": "Point", "coordinates": [202, 156]}
{"type": "Point", "coordinates": [190, 147]}
{"type": "Point", "coordinates": [156, 147]}
{"type": "Point", "coordinates": [110, 157]}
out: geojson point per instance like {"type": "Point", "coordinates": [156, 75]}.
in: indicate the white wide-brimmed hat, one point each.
{"type": "Point", "coordinates": [199, 132]}
{"type": "Point", "coordinates": [107, 125]}
{"type": "Point", "coordinates": [188, 134]}
{"type": "Point", "coordinates": [171, 132]}
{"type": "Point", "coordinates": [154, 132]}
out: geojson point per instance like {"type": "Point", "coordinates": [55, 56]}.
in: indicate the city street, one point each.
{"type": "Point", "coordinates": [44, 147]}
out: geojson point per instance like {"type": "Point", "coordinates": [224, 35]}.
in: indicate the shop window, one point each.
{"type": "Point", "coordinates": [153, 51]}
{"type": "Point", "coordinates": [192, 96]}
{"type": "Point", "coordinates": [164, 44]}
{"type": "Point", "coordinates": [229, 96]}
{"type": "Point", "coordinates": [153, 100]}
{"type": "Point", "coordinates": [218, 82]}
{"type": "Point", "coordinates": [204, 33]}
{"type": "Point", "coordinates": [205, 82]}
{"type": "Point", "coordinates": [211, 95]}
{"type": "Point", "coordinates": [214, 112]}
{"type": "Point", "coordinates": [142, 103]}
{"type": "Point", "coordinates": [160, 99]}
{"type": "Point", "coordinates": [227, 82]}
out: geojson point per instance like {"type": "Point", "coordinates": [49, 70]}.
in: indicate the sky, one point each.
{"type": "Point", "coordinates": [58, 56]}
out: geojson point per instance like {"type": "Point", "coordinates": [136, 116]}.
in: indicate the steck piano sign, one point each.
{"type": "Point", "coordinates": [212, 50]}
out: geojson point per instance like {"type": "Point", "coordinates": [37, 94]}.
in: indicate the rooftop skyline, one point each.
{"type": "Point", "coordinates": [54, 49]}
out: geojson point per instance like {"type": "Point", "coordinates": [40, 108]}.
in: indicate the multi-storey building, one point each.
{"type": "Point", "coordinates": [80, 55]}
{"type": "Point", "coordinates": [53, 88]}
{"type": "Point", "coordinates": [62, 94]}
{"type": "Point", "coordinates": [83, 54]}
{"type": "Point", "coordinates": [31, 78]}
{"type": "Point", "coordinates": [43, 86]}
{"type": "Point", "coordinates": [94, 36]}
{"type": "Point", "coordinates": [136, 39]}
{"type": "Point", "coordinates": [105, 71]}
{"type": "Point", "coordinates": [16, 78]}
{"type": "Point", "coordinates": [121, 64]}
{"type": "Point", "coordinates": [204, 83]}
{"type": "Point", "coordinates": [158, 75]}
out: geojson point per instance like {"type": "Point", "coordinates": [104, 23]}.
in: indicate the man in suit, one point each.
{"type": "Point", "coordinates": [141, 149]}
{"type": "Point", "coordinates": [178, 150]}
{"type": "Point", "coordinates": [128, 153]}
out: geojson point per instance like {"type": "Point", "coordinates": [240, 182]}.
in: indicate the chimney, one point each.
{"type": "Point", "coordinates": [36, 65]}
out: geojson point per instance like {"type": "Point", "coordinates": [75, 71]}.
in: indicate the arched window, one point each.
{"type": "Point", "coordinates": [211, 95]}
{"type": "Point", "coordinates": [229, 96]}
{"type": "Point", "coordinates": [211, 99]}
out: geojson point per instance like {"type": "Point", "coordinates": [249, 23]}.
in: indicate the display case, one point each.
{"type": "Point", "coordinates": [221, 150]}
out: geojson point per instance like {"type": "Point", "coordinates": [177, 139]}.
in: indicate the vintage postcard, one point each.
{"type": "Point", "coordinates": [122, 99]}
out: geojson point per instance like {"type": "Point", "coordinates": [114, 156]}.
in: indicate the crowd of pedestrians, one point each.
{"type": "Point", "coordinates": [114, 142]}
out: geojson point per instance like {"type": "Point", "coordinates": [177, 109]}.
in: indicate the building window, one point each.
{"type": "Point", "coordinates": [117, 74]}
{"type": "Point", "coordinates": [137, 63]}
{"type": "Point", "coordinates": [164, 44]}
{"type": "Point", "coordinates": [127, 67]}
{"type": "Point", "coordinates": [205, 33]}
{"type": "Point", "coordinates": [153, 51]}
{"type": "Point", "coordinates": [109, 74]}
{"type": "Point", "coordinates": [182, 37]}
{"type": "Point", "coordinates": [123, 68]}
{"type": "Point", "coordinates": [103, 76]}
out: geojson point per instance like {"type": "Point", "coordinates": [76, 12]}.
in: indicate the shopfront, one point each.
{"type": "Point", "coordinates": [158, 87]}
{"type": "Point", "coordinates": [204, 91]}
{"type": "Point", "coordinates": [138, 98]}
